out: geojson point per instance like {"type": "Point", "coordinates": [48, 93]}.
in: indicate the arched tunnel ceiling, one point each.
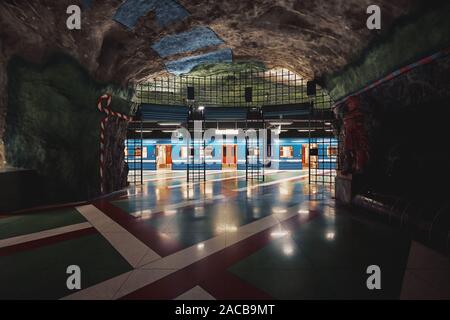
{"type": "Point", "coordinates": [119, 39]}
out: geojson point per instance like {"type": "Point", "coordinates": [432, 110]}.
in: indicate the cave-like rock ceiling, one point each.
{"type": "Point", "coordinates": [127, 41]}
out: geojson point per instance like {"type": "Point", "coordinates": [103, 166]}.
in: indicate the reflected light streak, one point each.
{"type": "Point", "coordinates": [279, 210]}
{"type": "Point", "coordinates": [170, 212]}
{"type": "Point", "coordinates": [288, 249]}
{"type": "Point", "coordinates": [330, 235]}
{"type": "Point", "coordinates": [226, 228]}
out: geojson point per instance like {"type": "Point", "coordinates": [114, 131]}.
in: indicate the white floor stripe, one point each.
{"type": "Point", "coordinates": [106, 291]}
{"type": "Point", "coordinates": [427, 275]}
{"type": "Point", "coordinates": [196, 293]}
{"type": "Point", "coordinates": [197, 252]}
{"type": "Point", "coordinates": [150, 268]}
{"type": "Point", "coordinates": [164, 178]}
{"type": "Point", "coordinates": [43, 234]}
{"type": "Point", "coordinates": [178, 205]}
{"type": "Point", "coordinates": [270, 183]}
{"type": "Point", "coordinates": [173, 176]}
{"type": "Point", "coordinates": [139, 193]}
{"type": "Point", "coordinates": [131, 248]}
{"type": "Point", "coordinates": [163, 267]}
{"type": "Point", "coordinates": [220, 179]}
{"type": "Point", "coordinates": [196, 183]}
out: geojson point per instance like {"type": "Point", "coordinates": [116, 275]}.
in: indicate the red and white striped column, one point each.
{"type": "Point", "coordinates": [109, 113]}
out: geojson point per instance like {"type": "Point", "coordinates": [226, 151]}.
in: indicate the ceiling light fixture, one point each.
{"type": "Point", "coordinates": [282, 130]}
{"type": "Point", "coordinates": [227, 131]}
{"type": "Point", "coordinates": [169, 124]}
{"type": "Point", "coordinates": [143, 131]}
{"type": "Point", "coordinates": [280, 123]}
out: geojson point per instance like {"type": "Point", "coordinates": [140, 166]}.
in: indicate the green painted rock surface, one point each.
{"type": "Point", "coordinates": [53, 125]}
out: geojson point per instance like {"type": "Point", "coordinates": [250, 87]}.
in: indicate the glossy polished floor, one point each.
{"type": "Point", "coordinates": [223, 239]}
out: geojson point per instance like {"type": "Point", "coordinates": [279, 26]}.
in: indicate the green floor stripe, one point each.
{"type": "Point", "coordinates": [41, 273]}
{"type": "Point", "coordinates": [34, 222]}
{"type": "Point", "coordinates": [308, 265]}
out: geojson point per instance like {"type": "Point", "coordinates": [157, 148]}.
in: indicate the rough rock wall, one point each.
{"type": "Point", "coordinates": [411, 39]}
{"type": "Point", "coordinates": [3, 103]}
{"type": "Point", "coordinates": [310, 37]}
{"type": "Point", "coordinates": [116, 170]}
{"type": "Point", "coordinates": [53, 127]}
{"type": "Point", "coordinates": [406, 121]}
{"type": "Point", "coordinates": [36, 29]}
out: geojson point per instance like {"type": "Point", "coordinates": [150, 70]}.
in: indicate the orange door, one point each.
{"type": "Point", "coordinates": [303, 154]}
{"type": "Point", "coordinates": [224, 154]}
{"type": "Point", "coordinates": [229, 154]}
{"type": "Point", "coordinates": [169, 154]}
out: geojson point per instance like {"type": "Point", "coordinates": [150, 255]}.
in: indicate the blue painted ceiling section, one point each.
{"type": "Point", "coordinates": [169, 11]}
{"type": "Point", "coordinates": [185, 65]}
{"type": "Point", "coordinates": [194, 39]}
{"type": "Point", "coordinates": [86, 4]}
{"type": "Point", "coordinates": [166, 11]}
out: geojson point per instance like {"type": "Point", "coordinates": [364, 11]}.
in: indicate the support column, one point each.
{"type": "Point", "coordinates": [3, 106]}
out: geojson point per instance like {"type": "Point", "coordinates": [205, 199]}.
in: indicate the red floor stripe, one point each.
{"type": "Point", "coordinates": [44, 208]}
{"type": "Point", "coordinates": [141, 230]}
{"type": "Point", "coordinates": [30, 245]}
{"type": "Point", "coordinates": [210, 271]}
{"type": "Point", "coordinates": [226, 286]}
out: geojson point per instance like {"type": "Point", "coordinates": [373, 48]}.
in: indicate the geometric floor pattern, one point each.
{"type": "Point", "coordinates": [223, 239]}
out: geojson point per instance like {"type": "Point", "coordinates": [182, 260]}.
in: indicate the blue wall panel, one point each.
{"type": "Point", "coordinates": [291, 165]}
{"type": "Point", "coordinates": [215, 162]}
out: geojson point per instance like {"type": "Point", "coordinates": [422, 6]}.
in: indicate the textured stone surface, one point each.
{"type": "Point", "coordinates": [3, 103]}
{"type": "Point", "coordinates": [312, 37]}
{"type": "Point", "coordinates": [116, 170]}
{"type": "Point", "coordinates": [406, 121]}
{"type": "Point", "coordinates": [53, 127]}
{"type": "Point", "coordinates": [194, 39]}
{"type": "Point", "coordinates": [185, 65]}
{"type": "Point", "coordinates": [166, 12]}
{"type": "Point", "coordinates": [309, 37]}
{"type": "Point", "coordinates": [413, 39]}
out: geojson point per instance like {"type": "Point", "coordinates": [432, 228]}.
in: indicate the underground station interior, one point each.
{"type": "Point", "coordinates": [224, 150]}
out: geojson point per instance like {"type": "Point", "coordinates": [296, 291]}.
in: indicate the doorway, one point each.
{"type": "Point", "coordinates": [313, 153]}
{"type": "Point", "coordinates": [163, 156]}
{"type": "Point", "coordinates": [305, 156]}
{"type": "Point", "coordinates": [229, 156]}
